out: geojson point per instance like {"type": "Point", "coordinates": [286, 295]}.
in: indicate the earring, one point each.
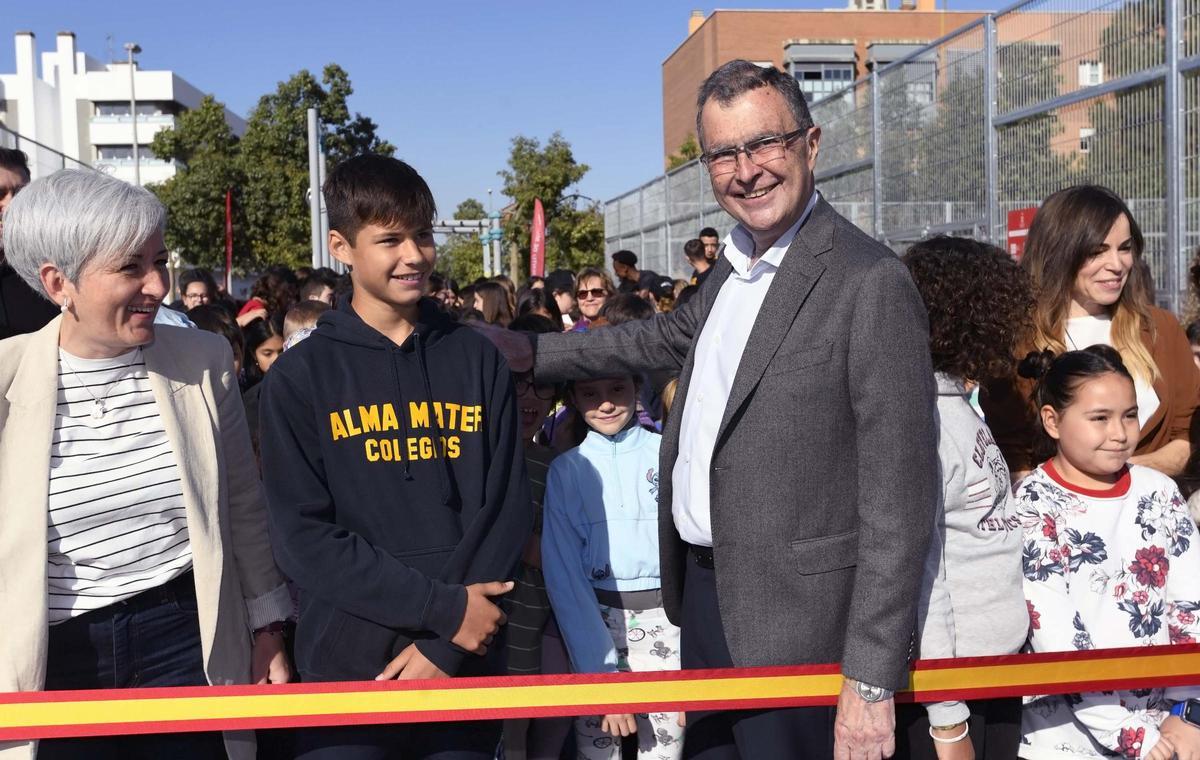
{"type": "Point", "coordinates": [66, 304]}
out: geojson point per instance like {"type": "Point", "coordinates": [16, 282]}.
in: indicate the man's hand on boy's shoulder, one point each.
{"type": "Point", "coordinates": [410, 665]}
{"type": "Point", "coordinates": [483, 618]}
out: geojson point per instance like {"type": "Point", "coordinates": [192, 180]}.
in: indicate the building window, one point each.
{"type": "Point", "coordinates": [1085, 139]}
{"type": "Point", "coordinates": [818, 80]}
{"type": "Point", "coordinates": [1091, 73]}
{"type": "Point", "coordinates": [121, 109]}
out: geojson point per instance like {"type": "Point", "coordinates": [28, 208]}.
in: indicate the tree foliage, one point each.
{"type": "Point", "coordinates": [267, 170]}
{"type": "Point", "coordinates": [275, 158]}
{"type": "Point", "coordinates": [574, 235]}
{"type": "Point", "coordinates": [689, 150]}
{"type": "Point", "coordinates": [461, 255]}
{"type": "Point", "coordinates": [207, 153]}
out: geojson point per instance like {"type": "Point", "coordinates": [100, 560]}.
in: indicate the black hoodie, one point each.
{"type": "Point", "coordinates": [394, 476]}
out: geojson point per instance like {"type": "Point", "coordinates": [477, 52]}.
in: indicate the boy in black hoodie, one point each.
{"type": "Point", "coordinates": [395, 474]}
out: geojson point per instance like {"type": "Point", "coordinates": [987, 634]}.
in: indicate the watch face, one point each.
{"type": "Point", "coordinates": [1191, 712]}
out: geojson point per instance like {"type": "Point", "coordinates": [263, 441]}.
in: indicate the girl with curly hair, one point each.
{"type": "Point", "coordinates": [971, 602]}
{"type": "Point", "coordinates": [1110, 560]}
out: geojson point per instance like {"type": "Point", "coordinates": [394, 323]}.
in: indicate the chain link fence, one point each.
{"type": "Point", "coordinates": [991, 118]}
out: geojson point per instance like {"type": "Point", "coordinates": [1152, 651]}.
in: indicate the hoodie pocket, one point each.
{"type": "Point", "coordinates": [430, 561]}
{"type": "Point", "coordinates": [350, 648]}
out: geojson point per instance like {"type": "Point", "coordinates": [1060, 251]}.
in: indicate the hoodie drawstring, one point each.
{"type": "Point", "coordinates": [403, 415]}
{"type": "Point", "coordinates": [445, 477]}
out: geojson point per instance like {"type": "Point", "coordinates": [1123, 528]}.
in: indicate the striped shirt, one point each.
{"type": "Point", "coordinates": [116, 519]}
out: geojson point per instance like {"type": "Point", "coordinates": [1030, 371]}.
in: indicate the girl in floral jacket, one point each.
{"type": "Point", "coordinates": [1110, 560]}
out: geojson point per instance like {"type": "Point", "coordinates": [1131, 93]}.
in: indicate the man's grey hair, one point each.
{"type": "Point", "coordinates": [738, 77]}
{"type": "Point", "coordinates": [77, 218]}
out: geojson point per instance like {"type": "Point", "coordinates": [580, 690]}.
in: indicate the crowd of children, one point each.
{"type": "Point", "coordinates": [440, 513]}
{"type": "Point", "coordinates": [407, 456]}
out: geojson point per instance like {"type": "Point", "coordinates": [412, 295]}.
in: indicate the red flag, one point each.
{"type": "Point", "coordinates": [537, 241]}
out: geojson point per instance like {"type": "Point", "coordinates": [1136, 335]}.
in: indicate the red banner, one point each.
{"type": "Point", "coordinates": [1018, 229]}
{"type": "Point", "coordinates": [537, 241]}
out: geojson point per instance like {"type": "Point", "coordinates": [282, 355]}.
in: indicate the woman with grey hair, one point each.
{"type": "Point", "coordinates": [134, 548]}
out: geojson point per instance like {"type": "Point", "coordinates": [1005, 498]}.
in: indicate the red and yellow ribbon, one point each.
{"type": "Point", "coordinates": [136, 711]}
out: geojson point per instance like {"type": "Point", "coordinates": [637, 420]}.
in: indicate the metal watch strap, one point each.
{"type": "Point", "coordinates": [872, 693]}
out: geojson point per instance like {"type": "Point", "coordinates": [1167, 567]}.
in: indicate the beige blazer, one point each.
{"type": "Point", "coordinates": [197, 393]}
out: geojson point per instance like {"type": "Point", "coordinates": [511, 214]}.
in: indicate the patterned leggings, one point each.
{"type": "Point", "coordinates": [645, 641]}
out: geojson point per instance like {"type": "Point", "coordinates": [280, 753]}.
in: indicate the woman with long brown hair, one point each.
{"type": "Point", "coordinates": [1082, 256]}
{"type": "Point", "coordinates": [492, 301]}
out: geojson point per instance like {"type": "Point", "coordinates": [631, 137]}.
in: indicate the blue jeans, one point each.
{"type": "Point", "coordinates": [152, 639]}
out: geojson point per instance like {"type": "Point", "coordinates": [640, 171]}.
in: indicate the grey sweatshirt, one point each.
{"type": "Point", "coordinates": [972, 603]}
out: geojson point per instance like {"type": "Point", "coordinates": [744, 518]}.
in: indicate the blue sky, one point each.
{"type": "Point", "coordinates": [450, 82]}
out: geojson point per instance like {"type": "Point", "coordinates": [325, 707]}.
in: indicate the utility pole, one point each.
{"type": "Point", "coordinates": [131, 48]}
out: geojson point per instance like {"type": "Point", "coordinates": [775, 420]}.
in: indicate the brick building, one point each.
{"type": "Point", "coordinates": [824, 49]}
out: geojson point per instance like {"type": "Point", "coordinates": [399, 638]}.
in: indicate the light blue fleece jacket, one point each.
{"type": "Point", "coordinates": [600, 532]}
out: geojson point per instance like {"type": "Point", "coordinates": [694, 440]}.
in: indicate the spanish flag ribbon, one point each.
{"type": "Point", "coordinates": [57, 714]}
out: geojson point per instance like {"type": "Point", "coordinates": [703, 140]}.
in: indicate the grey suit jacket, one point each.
{"type": "Point", "coordinates": [824, 475]}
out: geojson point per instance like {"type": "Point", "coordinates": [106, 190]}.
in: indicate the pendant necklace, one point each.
{"type": "Point", "coordinates": [98, 408]}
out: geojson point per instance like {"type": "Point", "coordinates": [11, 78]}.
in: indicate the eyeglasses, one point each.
{"type": "Point", "coordinates": [544, 392]}
{"type": "Point", "coordinates": [760, 151]}
{"type": "Point", "coordinates": [593, 292]}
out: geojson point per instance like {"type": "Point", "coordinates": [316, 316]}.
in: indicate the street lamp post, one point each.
{"type": "Point", "coordinates": [132, 48]}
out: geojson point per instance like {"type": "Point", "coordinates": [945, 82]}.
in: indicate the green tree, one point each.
{"type": "Point", "coordinates": [689, 150]}
{"type": "Point", "coordinates": [461, 255]}
{"type": "Point", "coordinates": [574, 235]}
{"type": "Point", "coordinates": [274, 157]}
{"type": "Point", "coordinates": [207, 155]}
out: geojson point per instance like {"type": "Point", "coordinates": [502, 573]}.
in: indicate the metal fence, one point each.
{"type": "Point", "coordinates": [43, 159]}
{"type": "Point", "coordinates": [994, 117]}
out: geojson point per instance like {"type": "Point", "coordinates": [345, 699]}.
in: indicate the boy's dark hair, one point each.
{"type": "Point", "coordinates": [198, 275]}
{"type": "Point", "coordinates": [318, 279]}
{"type": "Point", "coordinates": [628, 258]}
{"type": "Point", "coordinates": [214, 319]}
{"type": "Point", "coordinates": [738, 77]}
{"type": "Point", "coordinates": [708, 232]}
{"type": "Point", "coordinates": [15, 161]}
{"type": "Point", "coordinates": [380, 190]}
{"type": "Point", "coordinates": [626, 307]}
{"type": "Point", "coordinates": [693, 249]}
{"type": "Point", "coordinates": [980, 303]}
{"type": "Point", "coordinates": [1058, 377]}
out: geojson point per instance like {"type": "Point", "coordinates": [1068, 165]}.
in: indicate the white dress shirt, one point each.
{"type": "Point", "coordinates": [718, 353]}
{"type": "Point", "coordinates": [1089, 331]}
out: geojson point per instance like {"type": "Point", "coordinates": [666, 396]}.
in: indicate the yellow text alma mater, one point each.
{"type": "Point", "coordinates": [381, 418]}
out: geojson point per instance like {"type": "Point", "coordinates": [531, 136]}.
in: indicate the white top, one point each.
{"type": "Point", "coordinates": [718, 353]}
{"type": "Point", "coordinates": [1090, 331]}
{"type": "Point", "coordinates": [1105, 569]}
{"type": "Point", "coordinates": [116, 519]}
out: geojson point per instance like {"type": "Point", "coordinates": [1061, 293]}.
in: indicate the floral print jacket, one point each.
{"type": "Point", "coordinates": [1105, 569]}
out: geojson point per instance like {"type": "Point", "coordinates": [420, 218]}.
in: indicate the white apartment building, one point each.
{"type": "Point", "coordinates": [78, 109]}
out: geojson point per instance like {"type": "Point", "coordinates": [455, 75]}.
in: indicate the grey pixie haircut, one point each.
{"type": "Point", "coordinates": [76, 218]}
{"type": "Point", "coordinates": [738, 77]}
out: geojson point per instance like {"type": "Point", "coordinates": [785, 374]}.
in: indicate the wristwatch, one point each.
{"type": "Point", "coordinates": [1188, 711]}
{"type": "Point", "coordinates": [871, 693]}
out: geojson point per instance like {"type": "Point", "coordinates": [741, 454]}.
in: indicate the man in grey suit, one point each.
{"type": "Point", "coordinates": [802, 445]}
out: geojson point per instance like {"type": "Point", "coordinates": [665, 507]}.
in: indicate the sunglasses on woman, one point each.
{"type": "Point", "coordinates": [592, 292]}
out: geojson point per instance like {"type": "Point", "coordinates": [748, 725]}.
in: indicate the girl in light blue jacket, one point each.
{"type": "Point", "coordinates": [600, 558]}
